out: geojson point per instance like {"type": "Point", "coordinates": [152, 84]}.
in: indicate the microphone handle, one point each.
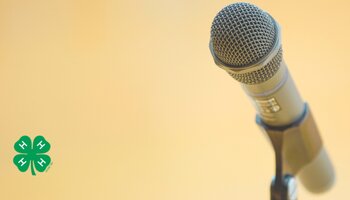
{"type": "Point", "coordinates": [277, 100]}
{"type": "Point", "coordinates": [280, 108]}
{"type": "Point", "coordinates": [302, 152]}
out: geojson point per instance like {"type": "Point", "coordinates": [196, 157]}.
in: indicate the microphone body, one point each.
{"type": "Point", "coordinates": [239, 35]}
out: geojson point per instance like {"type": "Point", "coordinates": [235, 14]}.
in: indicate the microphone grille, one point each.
{"type": "Point", "coordinates": [260, 75]}
{"type": "Point", "coordinates": [242, 34]}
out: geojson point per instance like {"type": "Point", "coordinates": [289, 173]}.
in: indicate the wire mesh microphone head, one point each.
{"type": "Point", "coordinates": [241, 35]}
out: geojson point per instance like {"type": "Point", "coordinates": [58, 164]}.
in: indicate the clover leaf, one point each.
{"type": "Point", "coordinates": [32, 154]}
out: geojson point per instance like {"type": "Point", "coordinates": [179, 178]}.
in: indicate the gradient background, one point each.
{"type": "Point", "coordinates": [129, 97]}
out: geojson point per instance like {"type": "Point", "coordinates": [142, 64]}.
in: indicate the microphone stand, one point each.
{"type": "Point", "coordinates": [283, 186]}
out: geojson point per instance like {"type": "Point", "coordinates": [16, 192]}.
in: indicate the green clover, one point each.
{"type": "Point", "coordinates": [33, 155]}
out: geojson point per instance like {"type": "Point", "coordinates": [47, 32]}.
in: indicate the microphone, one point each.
{"type": "Point", "coordinates": [245, 41]}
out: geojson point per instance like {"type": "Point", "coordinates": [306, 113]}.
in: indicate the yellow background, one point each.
{"type": "Point", "coordinates": [129, 97]}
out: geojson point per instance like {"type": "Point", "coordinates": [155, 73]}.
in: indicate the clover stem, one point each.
{"type": "Point", "coordinates": [32, 167]}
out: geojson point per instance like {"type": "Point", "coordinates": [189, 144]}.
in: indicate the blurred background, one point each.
{"type": "Point", "coordinates": [134, 107]}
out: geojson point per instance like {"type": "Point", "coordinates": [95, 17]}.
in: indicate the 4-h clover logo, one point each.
{"type": "Point", "coordinates": [32, 154]}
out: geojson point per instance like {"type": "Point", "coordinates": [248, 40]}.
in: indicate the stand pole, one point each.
{"type": "Point", "coordinates": [287, 190]}
{"type": "Point", "coordinates": [283, 186]}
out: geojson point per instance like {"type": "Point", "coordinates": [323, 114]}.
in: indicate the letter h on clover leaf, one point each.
{"type": "Point", "coordinates": [32, 154]}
